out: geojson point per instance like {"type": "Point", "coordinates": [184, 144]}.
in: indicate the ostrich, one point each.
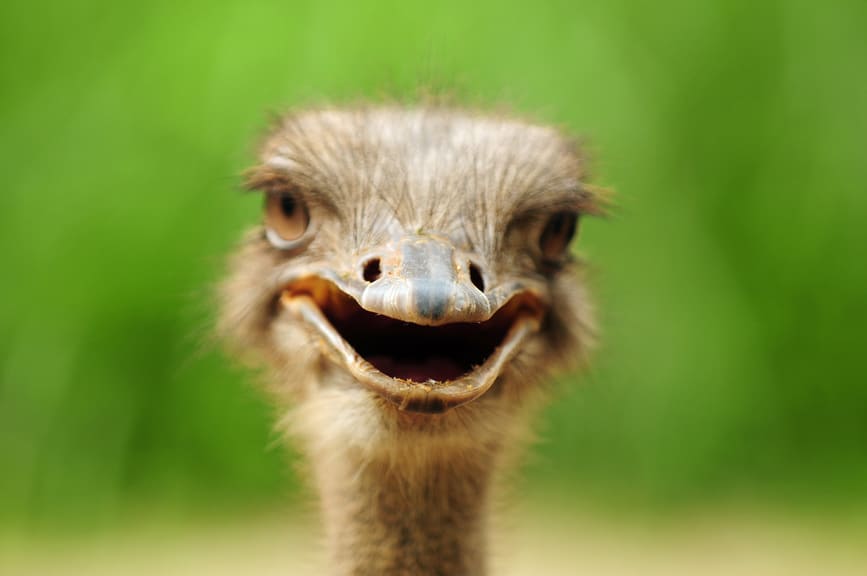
{"type": "Point", "coordinates": [410, 291]}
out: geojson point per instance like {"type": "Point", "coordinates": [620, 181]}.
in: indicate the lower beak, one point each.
{"type": "Point", "coordinates": [429, 395]}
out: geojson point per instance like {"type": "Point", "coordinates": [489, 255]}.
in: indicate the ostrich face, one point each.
{"type": "Point", "coordinates": [418, 255]}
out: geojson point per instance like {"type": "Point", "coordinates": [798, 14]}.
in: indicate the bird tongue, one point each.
{"type": "Point", "coordinates": [434, 367]}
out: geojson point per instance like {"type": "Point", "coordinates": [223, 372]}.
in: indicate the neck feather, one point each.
{"type": "Point", "coordinates": [422, 516]}
{"type": "Point", "coordinates": [403, 493]}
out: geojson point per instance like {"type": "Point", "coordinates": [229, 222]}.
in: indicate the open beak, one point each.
{"type": "Point", "coordinates": [420, 330]}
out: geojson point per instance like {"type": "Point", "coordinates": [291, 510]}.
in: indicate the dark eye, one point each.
{"type": "Point", "coordinates": [286, 218]}
{"type": "Point", "coordinates": [555, 237]}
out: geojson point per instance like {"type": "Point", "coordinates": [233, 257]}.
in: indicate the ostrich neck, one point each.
{"type": "Point", "coordinates": [420, 512]}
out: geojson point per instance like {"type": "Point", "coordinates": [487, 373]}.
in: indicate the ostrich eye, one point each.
{"type": "Point", "coordinates": [286, 219]}
{"type": "Point", "coordinates": [555, 237]}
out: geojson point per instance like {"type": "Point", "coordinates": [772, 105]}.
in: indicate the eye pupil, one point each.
{"type": "Point", "coordinates": [557, 222]}
{"type": "Point", "coordinates": [287, 205]}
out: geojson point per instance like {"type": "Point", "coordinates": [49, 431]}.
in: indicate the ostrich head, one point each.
{"type": "Point", "coordinates": [411, 286]}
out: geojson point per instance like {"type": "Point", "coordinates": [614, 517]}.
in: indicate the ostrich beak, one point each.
{"type": "Point", "coordinates": [424, 280]}
{"type": "Point", "coordinates": [420, 330]}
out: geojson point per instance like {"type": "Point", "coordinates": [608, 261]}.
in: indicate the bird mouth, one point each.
{"type": "Point", "coordinates": [418, 368]}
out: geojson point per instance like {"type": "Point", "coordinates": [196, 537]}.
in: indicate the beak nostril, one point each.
{"type": "Point", "coordinates": [372, 270]}
{"type": "Point", "coordinates": [476, 277]}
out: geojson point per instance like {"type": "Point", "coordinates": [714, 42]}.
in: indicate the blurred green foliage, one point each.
{"type": "Point", "coordinates": [731, 279]}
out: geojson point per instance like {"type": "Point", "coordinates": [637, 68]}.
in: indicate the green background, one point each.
{"type": "Point", "coordinates": [731, 278]}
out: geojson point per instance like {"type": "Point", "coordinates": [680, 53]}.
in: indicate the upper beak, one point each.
{"type": "Point", "coordinates": [425, 280]}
